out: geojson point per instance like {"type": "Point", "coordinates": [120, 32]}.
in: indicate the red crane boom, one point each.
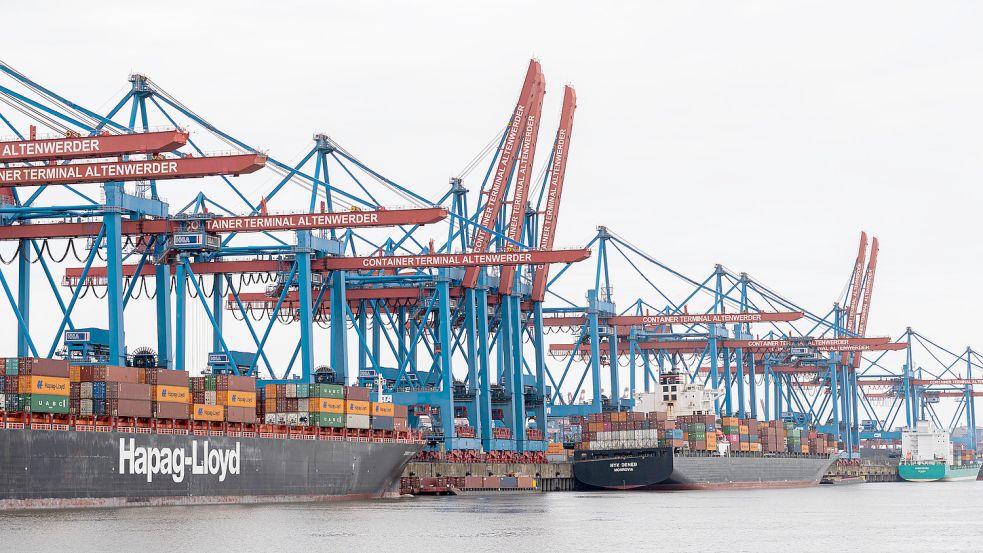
{"type": "Point", "coordinates": [856, 282]}
{"type": "Point", "coordinates": [561, 151]}
{"type": "Point", "coordinates": [506, 162]}
{"type": "Point", "coordinates": [865, 301]}
{"type": "Point", "coordinates": [520, 188]}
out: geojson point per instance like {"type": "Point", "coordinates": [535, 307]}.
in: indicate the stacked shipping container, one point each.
{"type": "Point", "coordinates": [622, 430]}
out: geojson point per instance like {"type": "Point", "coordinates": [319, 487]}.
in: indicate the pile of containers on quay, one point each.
{"type": "Point", "coordinates": [466, 485]}
{"type": "Point", "coordinates": [697, 433]}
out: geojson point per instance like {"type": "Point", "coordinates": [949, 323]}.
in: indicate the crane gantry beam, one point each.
{"type": "Point", "coordinates": [532, 257]}
{"type": "Point", "coordinates": [238, 224]}
{"type": "Point", "coordinates": [121, 171]}
{"type": "Point", "coordinates": [81, 147]}
{"type": "Point", "coordinates": [658, 320]}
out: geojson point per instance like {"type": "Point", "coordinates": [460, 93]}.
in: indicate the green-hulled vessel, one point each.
{"type": "Point", "coordinates": [933, 472]}
{"type": "Point", "coordinates": [928, 456]}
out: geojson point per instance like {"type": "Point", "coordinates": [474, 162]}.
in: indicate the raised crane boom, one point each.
{"type": "Point", "coordinates": [561, 149]}
{"type": "Point", "coordinates": [506, 162]}
{"type": "Point", "coordinates": [865, 300]}
{"type": "Point", "coordinates": [520, 188]}
{"type": "Point", "coordinates": [856, 282]}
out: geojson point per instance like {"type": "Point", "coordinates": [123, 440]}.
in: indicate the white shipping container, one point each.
{"type": "Point", "coordinates": [85, 390]}
{"type": "Point", "coordinates": [357, 421]}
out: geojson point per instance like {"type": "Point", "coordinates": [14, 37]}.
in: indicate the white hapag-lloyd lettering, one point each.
{"type": "Point", "coordinates": [81, 145]}
{"type": "Point", "coordinates": [151, 461]}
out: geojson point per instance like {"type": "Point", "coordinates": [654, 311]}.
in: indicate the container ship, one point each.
{"type": "Point", "coordinates": [674, 442]}
{"type": "Point", "coordinates": [108, 436]}
{"type": "Point", "coordinates": [927, 455]}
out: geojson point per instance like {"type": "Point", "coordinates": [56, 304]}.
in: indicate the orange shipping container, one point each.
{"type": "Point", "coordinates": [236, 398]}
{"type": "Point", "coordinates": [382, 409]}
{"type": "Point", "coordinates": [171, 394]}
{"type": "Point", "coordinates": [208, 412]}
{"type": "Point", "coordinates": [47, 385]}
{"type": "Point", "coordinates": [328, 405]}
{"type": "Point", "coordinates": [354, 407]}
{"type": "Point", "coordinates": [745, 446]}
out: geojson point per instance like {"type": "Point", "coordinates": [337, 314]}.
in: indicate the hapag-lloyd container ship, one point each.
{"type": "Point", "coordinates": [671, 443]}
{"type": "Point", "coordinates": [73, 468]}
{"type": "Point", "coordinates": [120, 436]}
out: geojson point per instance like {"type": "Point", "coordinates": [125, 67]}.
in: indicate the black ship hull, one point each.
{"type": "Point", "coordinates": [664, 469]}
{"type": "Point", "coordinates": [43, 468]}
{"type": "Point", "coordinates": [625, 469]}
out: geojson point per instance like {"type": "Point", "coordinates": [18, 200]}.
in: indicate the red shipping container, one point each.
{"type": "Point", "coordinates": [128, 408]}
{"type": "Point", "coordinates": [178, 411]}
{"type": "Point", "coordinates": [35, 366]}
{"type": "Point", "coordinates": [241, 414]}
{"type": "Point", "coordinates": [165, 377]}
{"type": "Point", "coordinates": [127, 390]}
{"type": "Point", "coordinates": [356, 393]}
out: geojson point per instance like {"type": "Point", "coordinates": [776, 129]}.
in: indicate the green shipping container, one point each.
{"type": "Point", "coordinates": [10, 366]}
{"type": "Point", "coordinates": [42, 403]}
{"type": "Point", "coordinates": [210, 383]}
{"type": "Point", "coordinates": [329, 391]}
{"type": "Point", "coordinates": [333, 420]}
{"type": "Point", "coordinates": [731, 430]}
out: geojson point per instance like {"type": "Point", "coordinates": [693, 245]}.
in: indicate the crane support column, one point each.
{"type": "Point", "coordinates": [113, 219]}
{"type": "Point", "coordinates": [446, 374]}
{"type": "Point", "coordinates": [339, 326]}
{"type": "Point", "coordinates": [306, 305]}
{"type": "Point", "coordinates": [834, 399]}
{"type": "Point", "coordinates": [24, 297]}
{"type": "Point", "coordinates": [518, 386]}
{"type": "Point", "coordinates": [483, 367]}
{"type": "Point", "coordinates": [539, 412]}
{"type": "Point", "coordinates": [471, 348]}
{"type": "Point", "coordinates": [595, 351]}
{"type": "Point", "coordinates": [970, 403]}
{"type": "Point", "coordinates": [162, 281]}
{"type": "Point", "coordinates": [218, 295]}
{"type": "Point", "coordinates": [180, 317]}
{"type": "Point", "coordinates": [613, 365]}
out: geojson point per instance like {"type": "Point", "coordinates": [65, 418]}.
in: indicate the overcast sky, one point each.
{"type": "Point", "coordinates": [761, 135]}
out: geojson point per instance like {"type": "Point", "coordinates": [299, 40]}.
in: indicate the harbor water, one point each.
{"type": "Point", "coordinates": [888, 517]}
